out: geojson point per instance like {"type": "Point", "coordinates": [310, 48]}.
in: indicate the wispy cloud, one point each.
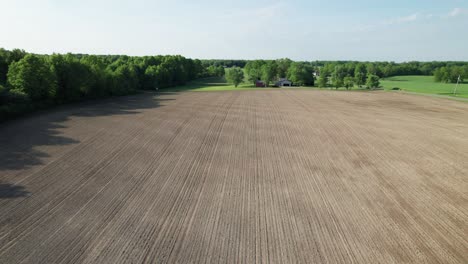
{"type": "Point", "coordinates": [458, 12]}
{"type": "Point", "coordinates": [390, 22]}
{"type": "Point", "coordinates": [402, 20]}
{"type": "Point", "coordinates": [420, 16]}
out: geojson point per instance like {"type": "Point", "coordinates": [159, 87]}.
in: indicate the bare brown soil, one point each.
{"type": "Point", "coordinates": [292, 176]}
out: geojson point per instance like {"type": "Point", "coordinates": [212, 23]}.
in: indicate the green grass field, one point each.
{"type": "Point", "coordinates": [416, 84]}
{"type": "Point", "coordinates": [424, 84]}
{"type": "Point", "coordinates": [211, 84]}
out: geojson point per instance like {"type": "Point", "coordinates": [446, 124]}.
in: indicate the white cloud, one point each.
{"type": "Point", "coordinates": [402, 20]}
{"type": "Point", "coordinates": [458, 12]}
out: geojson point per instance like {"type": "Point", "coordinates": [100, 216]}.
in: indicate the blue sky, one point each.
{"type": "Point", "coordinates": [246, 29]}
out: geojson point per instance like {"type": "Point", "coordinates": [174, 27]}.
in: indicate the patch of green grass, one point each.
{"type": "Point", "coordinates": [211, 84]}
{"type": "Point", "coordinates": [424, 84]}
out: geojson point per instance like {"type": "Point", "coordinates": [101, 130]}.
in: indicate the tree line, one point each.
{"type": "Point", "coordinates": [30, 81]}
{"type": "Point", "coordinates": [451, 74]}
{"type": "Point", "coordinates": [348, 74]}
{"type": "Point", "coordinates": [380, 69]}
{"type": "Point", "coordinates": [268, 71]}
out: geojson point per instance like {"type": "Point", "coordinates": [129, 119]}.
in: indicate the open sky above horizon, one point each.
{"type": "Point", "coordinates": [366, 30]}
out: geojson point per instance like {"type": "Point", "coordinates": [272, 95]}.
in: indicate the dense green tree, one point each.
{"type": "Point", "coordinates": [6, 58]}
{"type": "Point", "coordinates": [58, 78]}
{"type": "Point", "coordinates": [387, 70]}
{"type": "Point", "coordinates": [215, 71]}
{"type": "Point", "coordinates": [283, 67]}
{"type": "Point", "coordinates": [322, 80]}
{"type": "Point", "coordinates": [3, 65]}
{"type": "Point", "coordinates": [426, 69]}
{"type": "Point", "coordinates": [373, 81]}
{"type": "Point", "coordinates": [269, 71]}
{"type": "Point", "coordinates": [151, 78]}
{"type": "Point", "coordinates": [328, 69]}
{"type": "Point", "coordinates": [32, 76]}
{"type": "Point", "coordinates": [440, 75]}
{"type": "Point", "coordinates": [74, 79]}
{"type": "Point", "coordinates": [374, 69]}
{"type": "Point", "coordinates": [253, 70]}
{"type": "Point", "coordinates": [338, 76]}
{"type": "Point", "coordinates": [456, 72]}
{"type": "Point", "coordinates": [360, 74]}
{"type": "Point", "coordinates": [348, 82]}
{"type": "Point", "coordinates": [449, 74]}
{"type": "Point", "coordinates": [124, 80]}
{"type": "Point", "coordinates": [301, 73]}
{"type": "Point", "coordinates": [100, 77]}
{"type": "Point", "coordinates": [234, 75]}
{"type": "Point", "coordinates": [224, 63]}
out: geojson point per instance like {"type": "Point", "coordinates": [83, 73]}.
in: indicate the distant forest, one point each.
{"type": "Point", "coordinates": [31, 81]}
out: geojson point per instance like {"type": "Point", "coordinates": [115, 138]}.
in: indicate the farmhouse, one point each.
{"type": "Point", "coordinates": [260, 84]}
{"type": "Point", "coordinates": [283, 82]}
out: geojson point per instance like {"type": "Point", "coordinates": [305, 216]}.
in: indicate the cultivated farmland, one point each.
{"type": "Point", "coordinates": [238, 176]}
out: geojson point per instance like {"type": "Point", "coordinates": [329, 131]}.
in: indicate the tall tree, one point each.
{"type": "Point", "coordinates": [234, 75]}
{"type": "Point", "coordinates": [322, 80]}
{"type": "Point", "coordinates": [253, 69]}
{"type": "Point", "coordinates": [74, 79]}
{"type": "Point", "coordinates": [3, 65]}
{"type": "Point", "coordinates": [441, 74]}
{"type": "Point", "coordinates": [348, 82]}
{"type": "Point", "coordinates": [32, 76]}
{"type": "Point", "coordinates": [372, 81]}
{"type": "Point", "coordinates": [301, 73]}
{"type": "Point", "coordinates": [283, 66]}
{"type": "Point", "coordinates": [338, 76]}
{"type": "Point", "coordinates": [268, 72]}
{"type": "Point", "coordinates": [360, 74]}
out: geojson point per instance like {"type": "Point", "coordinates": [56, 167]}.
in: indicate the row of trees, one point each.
{"type": "Point", "coordinates": [302, 73]}
{"type": "Point", "coordinates": [268, 71]}
{"type": "Point", "coordinates": [450, 74]}
{"type": "Point", "coordinates": [341, 76]}
{"type": "Point", "coordinates": [384, 69]}
{"type": "Point", "coordinates": [224, 63]}
{"type": "Point", "coordinates": [381, 69]}
{"type": "Point", "coordinates": [29, 81]}
{"type": "Point", "coordinates": [347, 73]}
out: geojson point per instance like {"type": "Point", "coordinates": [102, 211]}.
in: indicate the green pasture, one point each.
{"type": "Point", "coordinates": [424, 84]}
{"type": "Point", "coordinates": [210, 84]}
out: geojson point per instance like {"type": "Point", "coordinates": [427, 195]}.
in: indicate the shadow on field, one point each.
{"type": "Point", "coordinates": [12, 191]}
{"type": "Point", "coordinates": [19, 138]}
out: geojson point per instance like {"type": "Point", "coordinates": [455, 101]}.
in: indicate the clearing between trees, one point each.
{"type": "Point", "coordinates": [256, 176]}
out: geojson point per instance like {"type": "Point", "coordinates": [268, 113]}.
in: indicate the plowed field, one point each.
{"type": "Point", "coordinates": [292, 176]}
